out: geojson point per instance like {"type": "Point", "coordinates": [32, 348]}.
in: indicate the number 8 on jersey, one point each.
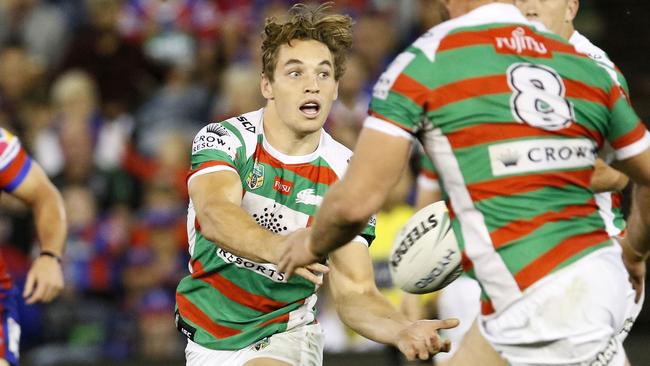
{"type": "Point", "coordinates": [539, 97]}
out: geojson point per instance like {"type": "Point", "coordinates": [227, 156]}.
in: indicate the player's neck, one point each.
{"type": "Point", "coordinates": [286, 140]}
{"type": "Point", "coordinates": [474, 4]}
{"type": "Point", "coordinates": [567, 31]}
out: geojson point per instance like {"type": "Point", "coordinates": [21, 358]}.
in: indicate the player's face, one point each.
{"type": "Point", "coordinates": [304, 86]}
{"type": "Point", "coordinates": [554, 14]}
{"type": "Point", "coordinates": [456, 8]}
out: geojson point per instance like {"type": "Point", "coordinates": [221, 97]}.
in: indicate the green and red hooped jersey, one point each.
{"type": "Point", "coordinates": [229, 302]}
{"type": "Point", "coordinates": [513, 117]}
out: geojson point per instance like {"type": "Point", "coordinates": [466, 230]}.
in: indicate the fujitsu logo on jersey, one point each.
{"type": "Point", "coordinates": [519, 43]}
{"type": "Point", "coordinates": [282, 186]}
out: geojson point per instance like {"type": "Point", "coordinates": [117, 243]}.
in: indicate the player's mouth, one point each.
{"type": "Point", "coordinates": [310, 109]}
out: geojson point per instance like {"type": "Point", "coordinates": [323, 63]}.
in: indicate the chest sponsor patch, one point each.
{"type": "Point", "coordinates": [267, 270]}
{"type": "Point", "coordinates": [541, 155]}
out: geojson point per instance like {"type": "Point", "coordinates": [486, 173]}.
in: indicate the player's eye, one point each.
{"type": "Point", "coordinates": [324, 75]}
{"type": "Point", "coordinates": [294, 74]}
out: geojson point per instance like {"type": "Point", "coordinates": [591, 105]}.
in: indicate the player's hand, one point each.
{"type": "Point", "coordinates": [606, 178]}
{"type": "Point", "coordinates": [44, 280]}
{"type": "Point", "coordinates": [635, 263]}
{"type": "Point", "coordinates": [421, 339]}
{"type": "Point", "coordinates": [311, 271]}
{"type": "Point", "coordinates": [297, 253]}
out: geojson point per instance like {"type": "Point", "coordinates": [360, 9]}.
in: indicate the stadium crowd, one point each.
{"type": "Point", "coordinates": [107, 94]}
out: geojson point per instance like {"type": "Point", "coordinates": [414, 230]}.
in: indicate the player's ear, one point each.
{"type": "Point", "coordinates": [572, 10]}
{"type": "Point", "coordinates": [336, 91]}
{"type": "Point", "coordinates": [266, 88]}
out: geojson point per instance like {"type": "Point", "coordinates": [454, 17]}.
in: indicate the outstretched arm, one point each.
{"type": "Point", "coordinates": [217, 201]}
{"type": "Point", "coordinates": [45, 278]}
{"type": "Point", "coordinates": [636, 245]}
{"type": "Point", "coordinates": [362, 307]}
{"type": "Point", "coordinates": [350, 202]}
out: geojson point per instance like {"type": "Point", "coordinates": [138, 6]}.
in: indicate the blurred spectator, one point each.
{"type": "Point", "coordinates": [167, 164]}
{"type": "Point", "coordinates": [19, 78]}
{"type": "Point", "coordinates": [375, 51]}
{"type": "Point", "coordinates": [123, 73]}
{"type": "Point", "coordinates": [41, 27]}
{"type": "Point", "coordinates": [156, 262]}
{"type": "Point", "coordinates": [81, 146]}
{"type": "Point", "coordinates": [95, 245]}
{"type": "Point", "coordinates": [351, 108]}
{"type": "Point", "coordinates": [181, 104]}
{"type": "Point", "coordinates": [171, 30]}
{"type": "Point", "coordinates": [239, 92]}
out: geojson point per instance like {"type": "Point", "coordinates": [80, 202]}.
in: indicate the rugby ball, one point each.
{"type": "Point", "coordinates": [425, 256]}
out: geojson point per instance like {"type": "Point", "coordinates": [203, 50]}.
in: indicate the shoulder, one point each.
{"type": "Point", "coordinates": [335, 154]}
{"type": "Point", "coordinates": [583, 45]}
{"type": "Point", "coordinates": [9, 147]}
{"type": "Point", "coordinates": [233, 133]}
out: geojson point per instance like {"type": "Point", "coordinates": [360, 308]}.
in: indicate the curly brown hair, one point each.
{"type": "Point", "coordinates": [333, 30]}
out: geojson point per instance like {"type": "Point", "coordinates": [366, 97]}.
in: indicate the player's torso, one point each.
{"type": "Point", "coordinates": [543, 115]}
{"type": "Point", "coordinates": [281, 193]}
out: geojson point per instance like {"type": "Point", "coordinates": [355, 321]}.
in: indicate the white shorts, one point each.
{"type": "Point", "coordinates": [302, 346]}
{"type": "Point", "coordinates": [578, 316]}
{"type": "Point", "coordinates": [461, 300]}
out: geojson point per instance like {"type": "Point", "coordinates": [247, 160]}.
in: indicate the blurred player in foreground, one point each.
{"type": "Point", "coordinates": [24, 179]}
{"type": "Point", "coordinates": [557, 16]}
{"type": "Point", "coordinates": [512, 117]}
{"type": "Point", "coordinates": [255, 184]}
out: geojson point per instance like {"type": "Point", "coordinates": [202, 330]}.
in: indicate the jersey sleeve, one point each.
{"type": "Point", "coordinates": [626, 133]}
{"type": "Point", "coordinates": [427, 176]}
{"type": "Point", "coordinates": [398, 98]}
{"type": "Point", "coordinates": [14, 162]}
{"type": "Point", "coordinates": [215, 148]}
{"type": "Point", "coordinates": [367, 236]}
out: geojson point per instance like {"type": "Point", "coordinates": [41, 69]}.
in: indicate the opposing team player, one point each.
{"type": "Point", "coordinates": [256, 182]}
{"type": "Point", "coordinates": [24, 179]}
{"type": "Point", "coordinates": [512, 117]}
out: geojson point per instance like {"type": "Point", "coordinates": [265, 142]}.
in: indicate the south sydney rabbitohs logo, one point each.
{"type": "Point", "coordinates": [308, 197]}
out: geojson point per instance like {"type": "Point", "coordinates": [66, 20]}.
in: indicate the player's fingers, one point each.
{"type": "Point", "coordinates": [29, 284]}
{"type": "Point", "coordinates": [446, 346]}
{"type": "Point", "coordinates": [446, 323]}
{"type": "Point", "coordinates": [37, 295]}
{"type": "Point", "coordinates": [434, 343]}
{"type": "Point", "coordinates": [422, 351]}
{"type": "Point", "coordinates": [409, 353]}
{"type": "Point", "coordinates": [318, 267]}
{"type": "Point", "coordinates": [309, 276]}
{"type": "Point", "coordinates": [639, 290]}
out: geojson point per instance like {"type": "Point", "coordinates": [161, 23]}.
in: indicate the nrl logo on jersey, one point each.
{"type": "Point", "coordinates": [308, 197]}
{"type": "Point", "coordinates": [255, 178]}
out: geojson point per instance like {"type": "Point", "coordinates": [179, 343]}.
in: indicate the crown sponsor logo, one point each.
{"type": "Point", "coordinates": [541, 155]}
{"type": "Point", "coordinates": [509, 158]}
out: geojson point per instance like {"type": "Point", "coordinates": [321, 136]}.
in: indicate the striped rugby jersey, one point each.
{"type": "Point", "coordinates": [513, 117]}
{"type": "Point", "coordinates": [229, 302]}
{"type": "Point", "coordinates": [14, 166]}
{"type": "Point", "coordinates": [609, 203]}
